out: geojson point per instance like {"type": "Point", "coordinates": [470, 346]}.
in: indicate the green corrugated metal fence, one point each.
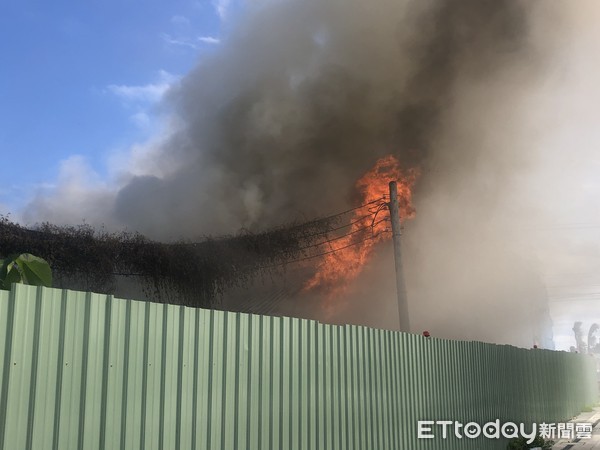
{"type": "Point", "coordinates": [87, 371]}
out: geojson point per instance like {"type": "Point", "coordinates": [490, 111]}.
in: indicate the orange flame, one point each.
{"type": "Point", "coordinates": [347, 255]}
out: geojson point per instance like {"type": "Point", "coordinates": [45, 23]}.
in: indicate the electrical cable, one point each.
{"type": "Point", "coordinates": [348, 210]}
{"type": "Point", "coordinates": [321, 254]}
{"type": "Point", "coordinates": [306, 247]}
{"type": "Point", "coordinates": [341, 227]}
{"type": "Point", "coordinates": [333, 216]}
{"type": "Point", "coordinates": [373, 224]}
{"type": "Point", "coordinates": [373, 212]}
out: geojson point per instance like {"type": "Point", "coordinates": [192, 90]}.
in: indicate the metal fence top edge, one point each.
{"type": "Point", "coordinates": [17, 289]}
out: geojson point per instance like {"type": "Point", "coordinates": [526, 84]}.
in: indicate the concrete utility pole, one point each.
{"type": "Point", "coordinates": [396, 233]}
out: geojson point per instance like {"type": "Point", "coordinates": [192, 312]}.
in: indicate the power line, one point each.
{"type": "Point", "coordinates": [53, 237]}
{"type": "Point", "coordinates": [556, 226]}
{"type": "Point", "coordinates": [357, 220]}
{"type": "Point", "coordinates": [574, 299]}
{"type": "Point", "coordinates": [300, 249]}
{"type": "Point", "coordinates": [349, 210]}
{"type": "Point", "coordinates": [380, 206]}
{"type": "Point", "coordinates": [576, 295]}
{"type": "Point", "coordinates": [577, 285]}
{"type": "Point", "coordinates": [341, 227]}
{"type": "Point", "coordinates": [322, 254]}
{"type": "Point", "coordinates": [358, 230]}
{"type": "Point", "coordinates": [333, 216]}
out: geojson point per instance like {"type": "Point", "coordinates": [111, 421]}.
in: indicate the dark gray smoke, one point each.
{"type": "Point", "coordinates": [305, 96]}
{"type": "Point", "coordinates": [301, 100]}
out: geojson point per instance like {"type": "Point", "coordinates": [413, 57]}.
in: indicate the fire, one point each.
{"type": "Point", "coordinates": [346, 256]}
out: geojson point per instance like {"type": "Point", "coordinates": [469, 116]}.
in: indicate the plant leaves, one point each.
{"type": "Point", "coordinates": [35, 270]}
{"type": "Point", "coordinates": [13, 275]}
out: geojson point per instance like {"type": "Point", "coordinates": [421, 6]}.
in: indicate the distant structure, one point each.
{"type": "Point", "coordinates": [592, 346]}
{"type": "Point", "coordinates": [580, 344]}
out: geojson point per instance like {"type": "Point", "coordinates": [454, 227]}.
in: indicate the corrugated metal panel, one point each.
{"type": "Point", "coordinates": [86, 371]}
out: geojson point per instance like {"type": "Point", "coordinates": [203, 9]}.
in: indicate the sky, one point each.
{"type": "Point", "coordinates": [83, 78]}
{"type": "Point", "coordinates": [81, 85]}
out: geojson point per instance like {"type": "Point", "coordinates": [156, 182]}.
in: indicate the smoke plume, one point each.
{"type": "Point", "coordinates": [304, 96]}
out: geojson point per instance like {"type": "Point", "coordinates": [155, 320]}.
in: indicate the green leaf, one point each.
{"type": "Point", "coordinates": [24, 268]}
{"type": "Point", "coordinates": [35, 270]}
{"type": "Point", "coordinates": [13, 275]}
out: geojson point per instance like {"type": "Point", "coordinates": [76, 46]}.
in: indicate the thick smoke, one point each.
{"type": "Point", "coordinates": [302, 99]}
